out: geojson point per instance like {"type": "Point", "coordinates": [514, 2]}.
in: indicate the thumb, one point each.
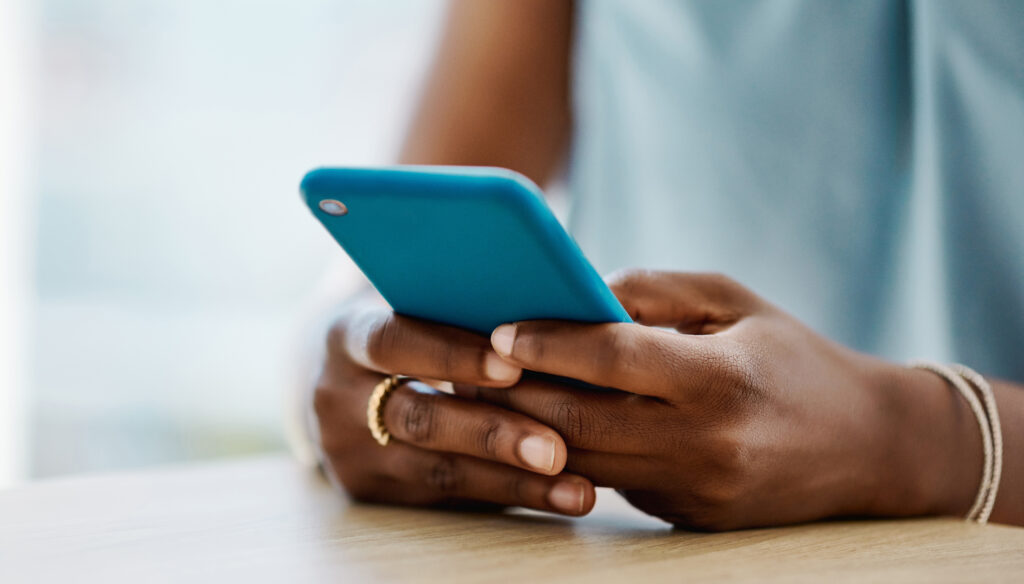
{"type": "Point", "coordinates": [696, 303]}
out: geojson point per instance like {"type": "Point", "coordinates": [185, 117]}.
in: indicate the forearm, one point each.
{"type": "Point", "coordinates": [498, 91]}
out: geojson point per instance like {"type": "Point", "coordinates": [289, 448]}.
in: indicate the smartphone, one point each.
{"type": "Point", "coordinates": [470, 247]}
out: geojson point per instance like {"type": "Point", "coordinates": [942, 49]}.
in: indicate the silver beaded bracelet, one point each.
{"type": "Point", "coordinates": [971, 386]}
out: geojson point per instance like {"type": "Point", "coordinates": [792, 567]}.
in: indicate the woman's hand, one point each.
{"type": "Point", "coordinates": [445, 450]}
{"type": "Point", "coordinates": [740, 416]}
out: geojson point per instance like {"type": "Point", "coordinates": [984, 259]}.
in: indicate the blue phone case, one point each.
{"type": "Point", "coordinates": [465, 246]}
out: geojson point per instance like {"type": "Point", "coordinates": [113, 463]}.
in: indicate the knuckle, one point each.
{"type": "Point", "coordinates": [733, 455]}
{"type": "Point", "coordinates": [573, 422]}
{"type": "Point", "coordinates": [416, 414]}
{"type": "Point", "coordinates": [719, 495]}
{"type": "Point", "coordinates": [383, 340]}
{"type": "Point", "coordinates": [325, 401]}
{"type": "Point", "coordinates": [735, 370]}
{"type": "Point", "coordinates": [443, 476]}
{"type": "Point", "coordinates": [487, 437]}
{"type": "Point", "coordinates": [729, 464]}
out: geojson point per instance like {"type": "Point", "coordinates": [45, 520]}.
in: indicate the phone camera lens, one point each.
{"type": "Point", "coordinates": [332, 207]}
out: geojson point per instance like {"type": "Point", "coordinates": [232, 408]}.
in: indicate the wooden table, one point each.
{"type": "Point", "coordinates": [268, 520]}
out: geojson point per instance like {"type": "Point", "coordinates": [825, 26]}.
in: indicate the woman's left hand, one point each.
{"type": "Point", "coordinates": [737, 415]}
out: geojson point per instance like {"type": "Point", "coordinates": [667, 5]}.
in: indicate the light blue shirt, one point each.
{"type": "Point", "coordinates": [860, 164]}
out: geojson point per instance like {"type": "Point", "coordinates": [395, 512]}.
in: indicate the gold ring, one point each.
{"type": "Point", "coordinates": [375, 407]}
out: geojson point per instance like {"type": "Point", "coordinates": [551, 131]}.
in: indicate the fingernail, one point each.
{"type": "Point", "coordinates": [498, 369]}
{"type": "Point", "coordinates": [538, 452]}
{"type": "Point", "coordinates": [503, 338]}
{"type": "Point", "coordinates": [567, 498]}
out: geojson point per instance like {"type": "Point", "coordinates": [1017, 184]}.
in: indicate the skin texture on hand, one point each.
{"type": "Point", "coordinates": [740, 416]}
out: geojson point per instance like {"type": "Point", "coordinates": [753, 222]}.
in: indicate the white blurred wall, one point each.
{"type": "Point", "coordinates": [172, 255]}
{"type": "Point", "coordinates": [15, 120]}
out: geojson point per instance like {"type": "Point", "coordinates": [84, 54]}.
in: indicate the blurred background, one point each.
{"type": "Point", "coordinates": [155, 260]}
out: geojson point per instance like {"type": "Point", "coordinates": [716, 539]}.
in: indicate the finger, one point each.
{"type": "Point", "coordinates": [606, 421]}
{"type": "Point", "coordinates": [383, 341]}
{"type": "Point", "coordinates": [693, 303]}
{"type": "Point", "coordinates": [422, 416]}
{"type": "Point", "coordinates": [632, 357]}
{"type": "Point", "coordinates": [431, 477]}
{"type": "Point", "coordinates": [617, 471]}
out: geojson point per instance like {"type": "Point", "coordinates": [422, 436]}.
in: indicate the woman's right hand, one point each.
{"type": "Point", "coordinates": [444, 449]}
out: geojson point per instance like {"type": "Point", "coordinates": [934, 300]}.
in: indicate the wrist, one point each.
{"type": "Point", "coordinates": [931, 461]}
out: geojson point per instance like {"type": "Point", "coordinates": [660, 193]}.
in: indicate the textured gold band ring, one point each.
{"type": "Point", "coordinates": [375, 407]}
